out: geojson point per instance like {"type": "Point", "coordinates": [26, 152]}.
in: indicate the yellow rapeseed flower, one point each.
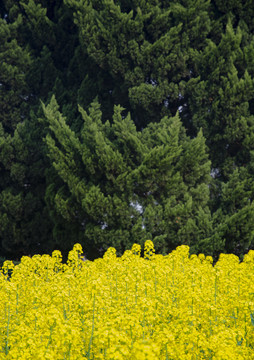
{"type": "Point", "coordinates": [170, 307]}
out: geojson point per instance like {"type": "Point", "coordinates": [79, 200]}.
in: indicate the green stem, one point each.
{"type": "Point", "coordinates": [91, 338]}
{"type": "Point", "coordinates": [7, 332]}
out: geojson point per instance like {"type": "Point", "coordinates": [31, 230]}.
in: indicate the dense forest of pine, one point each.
{"type": "Point", "coordinates": [126, 120]}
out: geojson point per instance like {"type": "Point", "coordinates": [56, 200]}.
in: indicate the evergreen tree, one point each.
{"type": "Point", "coordinates": [143, 48]}
{"type": "Point", "coordinates": [40, 41]}
{"type": "Point", "coordinates": [24, 221]}
{"type": "Point", "coordinates": [14, 62]}
{"type": "Point", "coordinates": [233, 210]}
{"type": "Point", "coordinates": [220, 99]}
{"type": "Point", "coordinates": [122, 186]}
{"type": "Point", "coordinates": [110, 178]}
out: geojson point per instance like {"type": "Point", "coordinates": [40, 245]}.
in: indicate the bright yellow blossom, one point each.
{"type": "Point", "coordinates": [126, 308]}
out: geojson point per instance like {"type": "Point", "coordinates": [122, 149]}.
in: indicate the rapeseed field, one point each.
{"type": "Point", "coordinates": [131, 307]}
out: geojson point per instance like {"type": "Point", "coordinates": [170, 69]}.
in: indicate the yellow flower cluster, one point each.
{"type": "Point", "coordinates": [130, 307]}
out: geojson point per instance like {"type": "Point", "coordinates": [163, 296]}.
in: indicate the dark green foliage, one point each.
{"type": "Point", "coordinates": [14, 64]}
{"type": "Point", "coordinates": [123, 186]}
{"type": "Point", "coordinates": [170, 77]}
{"type": "Point", "coordinates": [220, 100]}
{"type": "Point", "coordinates": [24, 222]}
{"type": "Point", "coordinates": [144, 47]}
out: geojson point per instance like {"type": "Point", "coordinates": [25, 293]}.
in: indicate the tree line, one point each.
{"type": "Point", "coordinates": [126, 120]}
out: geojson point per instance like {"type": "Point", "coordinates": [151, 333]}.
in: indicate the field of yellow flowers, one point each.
{"type": "Point", "coordinates": [130, 307]}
